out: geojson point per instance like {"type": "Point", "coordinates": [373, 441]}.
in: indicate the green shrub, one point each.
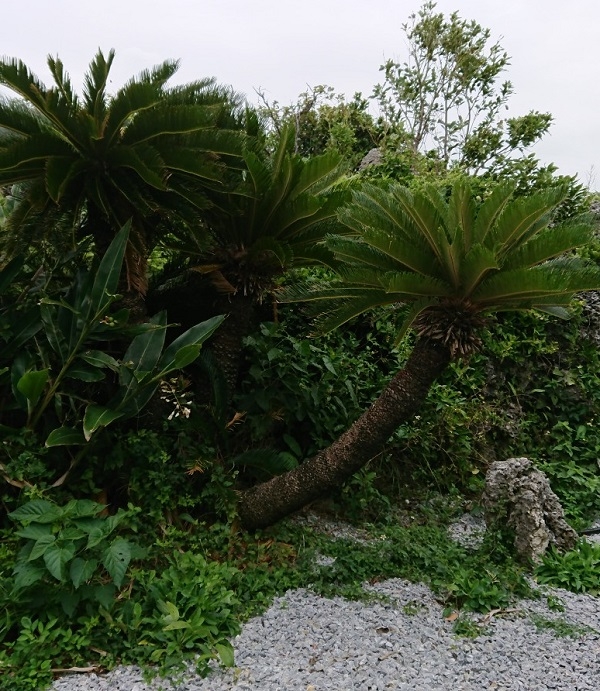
{"type": "Point", "coordinates": [577, 570]}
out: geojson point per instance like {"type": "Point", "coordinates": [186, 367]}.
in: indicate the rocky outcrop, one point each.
{"type": "Point", "coordinates": [590, 324]}
{"type": "Point", "coordinates": [372, 158]}
{"type": "Point", "coordinates": [519, 495]}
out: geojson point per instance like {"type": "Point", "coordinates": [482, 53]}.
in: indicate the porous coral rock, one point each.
{"type": "Point", "coordinates": [520, 495]}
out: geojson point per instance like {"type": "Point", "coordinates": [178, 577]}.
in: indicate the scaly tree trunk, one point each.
{"type": "Point", "coordinates": [267, 503]}
{"type": "Point", "coordinates": [227, 342]}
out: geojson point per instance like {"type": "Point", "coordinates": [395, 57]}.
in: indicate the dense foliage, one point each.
{"type": "Point", "coordinates": [127, 440]}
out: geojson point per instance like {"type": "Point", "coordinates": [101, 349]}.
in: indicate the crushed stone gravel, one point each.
{"type": "Point", "coordinates": [304, 642]}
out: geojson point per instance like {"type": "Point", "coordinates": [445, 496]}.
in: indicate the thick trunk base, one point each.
{"type": "Point", "coordinates": [267, 503]}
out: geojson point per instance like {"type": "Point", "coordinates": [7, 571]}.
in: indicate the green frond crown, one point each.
{"type": "Point", "coordinates": [450, 259]}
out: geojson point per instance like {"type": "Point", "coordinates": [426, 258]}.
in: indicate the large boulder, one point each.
{"type": "Point", "coordinates": [519, 495]}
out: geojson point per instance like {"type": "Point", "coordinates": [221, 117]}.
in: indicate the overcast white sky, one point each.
{"type": "Point", "coordinates": [281, 47]}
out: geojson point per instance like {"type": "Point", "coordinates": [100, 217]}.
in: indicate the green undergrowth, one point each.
{"type": "Point", "coordinates": [577, 570]}
{"type": "Point", "coordinates": [93, 590]}
{"type": "Point", "coordinates": [164, 574]}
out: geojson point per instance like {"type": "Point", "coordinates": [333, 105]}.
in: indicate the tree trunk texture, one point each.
{"type": "Point", "coordinates": [265, 504]}
{"type": "Point", "coordinates": [227, 341]}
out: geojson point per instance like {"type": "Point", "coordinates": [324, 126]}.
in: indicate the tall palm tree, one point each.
{"type": "Point", "coordinates": [275, 221]}
{"type": "Point", "coordinates": [149, 153]}
{"type": "Point", "coordinates": [446, 261]}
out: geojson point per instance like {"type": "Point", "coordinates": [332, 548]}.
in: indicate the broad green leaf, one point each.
{"type": "Point", "coordinates": [34, 531]}
{"type": "Point", "coordinates": [98, 358]}
{"type": "Point", "coordinates": [226, 654]}
{"type": "Point", "coordinates": [179, 624]}
{"type": "Point", "coordinates": [86, 509]}
{"type": "Point", "coordinates": [107, 276]}
{"type": "Point", "coordinates": [65, 436]}
{"type": "Point", "coordinates": [41, 546]}
{"type": "Point", "coordinates": [32, 384]}
{"type": "Point", "coordinates": [144, 351]}
{"type": "Point", "coordinates": [194, 336]}
{"type": "Point", "coordinates": [27, 574]}
{"type": "Point", "coordinates": [554, 311]}
{"type": "Point", "coordinates": [168, 609]}
{"type": "Point", "coordinates": [105, 594]}
{"type": "Point", "coordinates": [116, 560]}
{"type": "Point", "coordinates": [54, 334]}
{"type": "Point", "coordinates": [72, 533]}
{"type": "Point", "coordinates": [82, 570]}
{"type": "Point", "coordinates": [96, 535]}
{"type": "Point", "coordinates": [23, 327]}
{"type": "Point", "coordinates": [69, 601]}
{"type": "Point", "coordinates": [112, 522]}
{"type": "Point", "coordinates": [38, 510]}
{"type": "Point", "coordinates": [184, 356]}
{"type": "Point", "coordinates": [90, 523]}
{"type": "Point", "coordinates": [85, 372]}
{"type": "Point", "coordinates": [56, 558]}
{"type": "Point", "coordinates": [97, 416]}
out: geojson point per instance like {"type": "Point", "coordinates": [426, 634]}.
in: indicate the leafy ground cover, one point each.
{"type": "Point", "coordinates": [158, 597]}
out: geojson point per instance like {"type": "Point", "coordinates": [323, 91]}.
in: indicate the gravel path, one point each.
{"type": "Point", "coordinates": [304, 642]}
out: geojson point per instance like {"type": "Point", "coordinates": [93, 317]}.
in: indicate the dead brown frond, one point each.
{"type": "Point", "coordinates": [454, 324]}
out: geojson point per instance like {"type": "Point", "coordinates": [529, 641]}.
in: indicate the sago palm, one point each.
{"type": "Point", "coordinates": [88, 164]}
{"type": "Point", "coordinates": [275, 220]}
{"type": "Point", "coordinates": [444, 262]}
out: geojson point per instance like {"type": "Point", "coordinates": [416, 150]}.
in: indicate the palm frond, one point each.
{"type": "Point", "coordinates": [158, 75]}
{"type": "Point", "coordinates": [143, 160]}
{"type": "Point", "coordinates": [549, 243]}
{"type": "Point", "coordinates": [367, 211]}
{"type": "Point", "coordinates": [453, 252]}
{"type": "Point", "coordinates": [477, 264]}
{"type": "Point", "coordinates": [178, 158]}
{"type": "Point", "coordinates": [270, 246]}
{"type": "Point", "coordinates": [35, 148]}
{"type": "Point", "coordinates": [490, 211]}
{"type": "Point", "coordinates": [127, 102]}
{"type": "Point", "coordinates": [461, 213]}
{"type": "Point", "coordinates": [18, 118]}
{"type": "Point", "coordinates": [279, 191]}
{"type": "Point", "coordinates": [521, 219]}
{"type": "Point", "coordinates": [355, 251]}
{"type": "Point", "coordinates": [410, 286]}
{"type": "Point", "coordinates": [329, 293]}
{"type": "Point", "coordinates": [18, 78]}
{"type": "Point", "coordinates": [60, 172]}
{"type": "Point", "coordinates": [335, 314]}
{"type": "Point", "coordinates": [94, 85]}
{"type": "Point", "coordinates": [425, 217]}
{"type": "Point", "coordinates": [406, 255]}
{"type": "Point", "coordinates": [63, 83]}
{"type": "Point", "coordinates": [318, 174]}
{"type": "Point", "coordinates": [549, 280]}
{"type": "Point", "coordinates": [410, 314]}
{"type": "Point", "coordinates": [284, 149]}
{"type": "Point", "coordinates": [150, 124]}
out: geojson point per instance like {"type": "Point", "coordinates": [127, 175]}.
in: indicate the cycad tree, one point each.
{"type": "Point", "coordinates": [274, 221]}
{"type": "Point", "coordinates": [446, 261]}
{"type": "Point", "coordinates": [87, 165]}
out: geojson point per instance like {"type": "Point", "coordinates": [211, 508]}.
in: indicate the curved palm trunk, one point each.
{"type": "Point", "coordinates": [267, 503]}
